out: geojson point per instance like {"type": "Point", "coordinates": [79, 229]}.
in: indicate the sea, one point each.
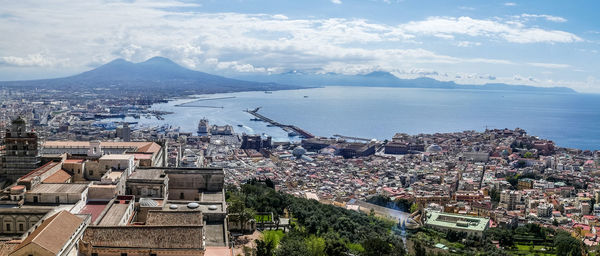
{"type": "Point", "coordinates": [570, 120]}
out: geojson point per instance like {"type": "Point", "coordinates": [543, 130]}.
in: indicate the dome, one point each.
{"type": "Point", "coordinates": [193, 205]}
{"type": "Point", "coordinates": [433, 148]}
{"type": "Point", "coordinates": [299, 151]}
{"type": "Point", "coordinates": [212, 207]}
{"type": "Point", "coordinates": [173, 207]}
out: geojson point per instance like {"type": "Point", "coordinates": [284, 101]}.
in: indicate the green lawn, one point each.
{"type": "Point", "coordinates": [525, 249]}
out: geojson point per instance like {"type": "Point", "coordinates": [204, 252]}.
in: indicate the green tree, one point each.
{"type": "Point", "coordinates": [528, 155]}
{"type": "Point", "coordinates": [240, 212]}
{"type": "Point", "coordinates": [567, 245]}
{"type": "Point", "coordinates": [292, 245]}
{"type": "Point", "coordinates": [376, 247]}
{"type": "Point", "coordinates": [419, 249]}
{"type": "Point", "coordinates": [335, 247]}
{"type": "Point", "coordinates": [316, 246]}
{"type": "Point", "coordinates": [414, 207]}
{"type": "Point", "coordinates": [264, 248]}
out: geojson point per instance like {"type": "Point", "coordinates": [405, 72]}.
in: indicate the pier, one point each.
{"type": "Point", "coordinates": [351, 138]}
{"type": "Point", "coordinates": [290, 129]}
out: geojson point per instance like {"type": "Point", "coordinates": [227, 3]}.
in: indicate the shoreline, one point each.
{"type": "Point", "coordinates": [380, 136]}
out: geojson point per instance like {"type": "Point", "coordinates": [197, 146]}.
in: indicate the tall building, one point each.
{"type": "Point", "coordinates": [255, 142]}
{"type": "Point", "coordinates": [21, 151]}
{"type": "Point", "coordinates": [124, 132]}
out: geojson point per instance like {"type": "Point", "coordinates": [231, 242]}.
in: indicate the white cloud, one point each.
{"type": "Point", "coordinates": [88, 33]}
{"type": "Point", "coordinates": [548, 65]}
{"type": "Point", "coordinates": [467, 44]}
{"type": "Point", "coordinates": [510, 4]}
{"type": "Point", "coordinates": [543, 16]}
{"type": "Point", "coordinates": [280, 17]}
{"type": "Point", "coordinates": [31, 60]}
{"type": "Point", "coordinates": [336, 1]}
{"type": "Point", "coordinates": [513, 32]}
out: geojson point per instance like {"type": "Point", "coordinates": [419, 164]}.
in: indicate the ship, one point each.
{"type": "Point", "coordinates": [203, 126]}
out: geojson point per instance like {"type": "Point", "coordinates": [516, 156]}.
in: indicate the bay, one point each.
{"type": "Point", "coordinates": [570, 120]}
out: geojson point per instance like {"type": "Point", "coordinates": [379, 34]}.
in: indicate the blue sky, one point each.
{"type": "Point", "coordinates": [541, 43]}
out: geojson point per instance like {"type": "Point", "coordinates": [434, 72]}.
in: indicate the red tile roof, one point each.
{"type": "Point", "coordinates": [61, 176]}
{"type": "Point", "coordinates": [54, 232]}
{"type": "Point", "coordinates": [39, 171]}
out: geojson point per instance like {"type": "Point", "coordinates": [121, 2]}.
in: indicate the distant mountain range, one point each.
{"type": "Point", "coordinates": [163, 75]}
{"type": "Point", "coordinates": [157, 74]}
{"type": "Point", "coordinates": [385, 79]}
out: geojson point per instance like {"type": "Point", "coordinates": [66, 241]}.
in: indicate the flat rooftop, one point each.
{"type": "Point", "coordinates": [212, 196]}
{"type": "Point", "coordinates": [115, 175]}
{"type": "Point", "coordinates": [94, 209]}
{"type": "Point", "coordinates": [204, 207]}
{"type": "Point", "coordinates": [116, 157]}
{"type": "Point", "coordinates": [456, 221]}
{"type": "Point", "coordinates": [67, 188]}
{"type": "Point", "coordinates": [174, 218]}
{"type": "Point", "coordinates": [215, 234]}
{"type": "Point", "coordinates": [114, 215]}
{"type": "Point", "coordinates": [147, 174]}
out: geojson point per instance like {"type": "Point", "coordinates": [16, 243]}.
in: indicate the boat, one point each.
{"type": "Point", "coordinates": [293, 134]}
{"type": "Point", "coordinates": [305, 96]}
{"type": "Point", "coordinates": [270, 125]}
{"type": "Point", "coordinates": [268, 92]}
{"type": "Point", "coordinates": [203, 126]}
{"type": "Point", "coordinates": [240, 125]}
{"type": "Point", "coordinates": [255, 119]}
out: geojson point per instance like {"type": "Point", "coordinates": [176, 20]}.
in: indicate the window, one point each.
{"type": "Point", "coordinates": [123, 254]}
{"type": "Point", "coordinates": [181, 195]}
{"type": "Point", "coordinates": [94, 254]}
{"type": "Point", "coordinates": [20, 226]}
{"type": "Point", "coordinates": [91, 173]}
{"type": "Point", "coordinates": [7, 226]}
{"type": "Point", "coordinates": [57, 199]}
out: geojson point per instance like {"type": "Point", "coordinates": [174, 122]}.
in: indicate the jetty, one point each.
{"type": "Point", "coordinates": [292, 130]}
{"type": "Point", "coordinates": [351, 138]}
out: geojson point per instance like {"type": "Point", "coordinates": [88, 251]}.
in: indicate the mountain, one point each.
{"type": "Point", "coordinates": [161, 75]}
{"type": "Point", "coordinates": [157, 74]}
{"type": "Point", "coordinates": [386, 79]}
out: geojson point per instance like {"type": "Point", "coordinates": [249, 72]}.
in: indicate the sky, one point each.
{"type": "Point", "coordinates": [534, 42]}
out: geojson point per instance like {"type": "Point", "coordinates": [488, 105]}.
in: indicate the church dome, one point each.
{"type": "Point", "coordinates": [299, 151]}
{"type": "Point", "coordinates": [433, 148]}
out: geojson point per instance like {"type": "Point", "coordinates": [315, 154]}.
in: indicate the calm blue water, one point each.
{"type": "Point", "coordinates": [571, 120]}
